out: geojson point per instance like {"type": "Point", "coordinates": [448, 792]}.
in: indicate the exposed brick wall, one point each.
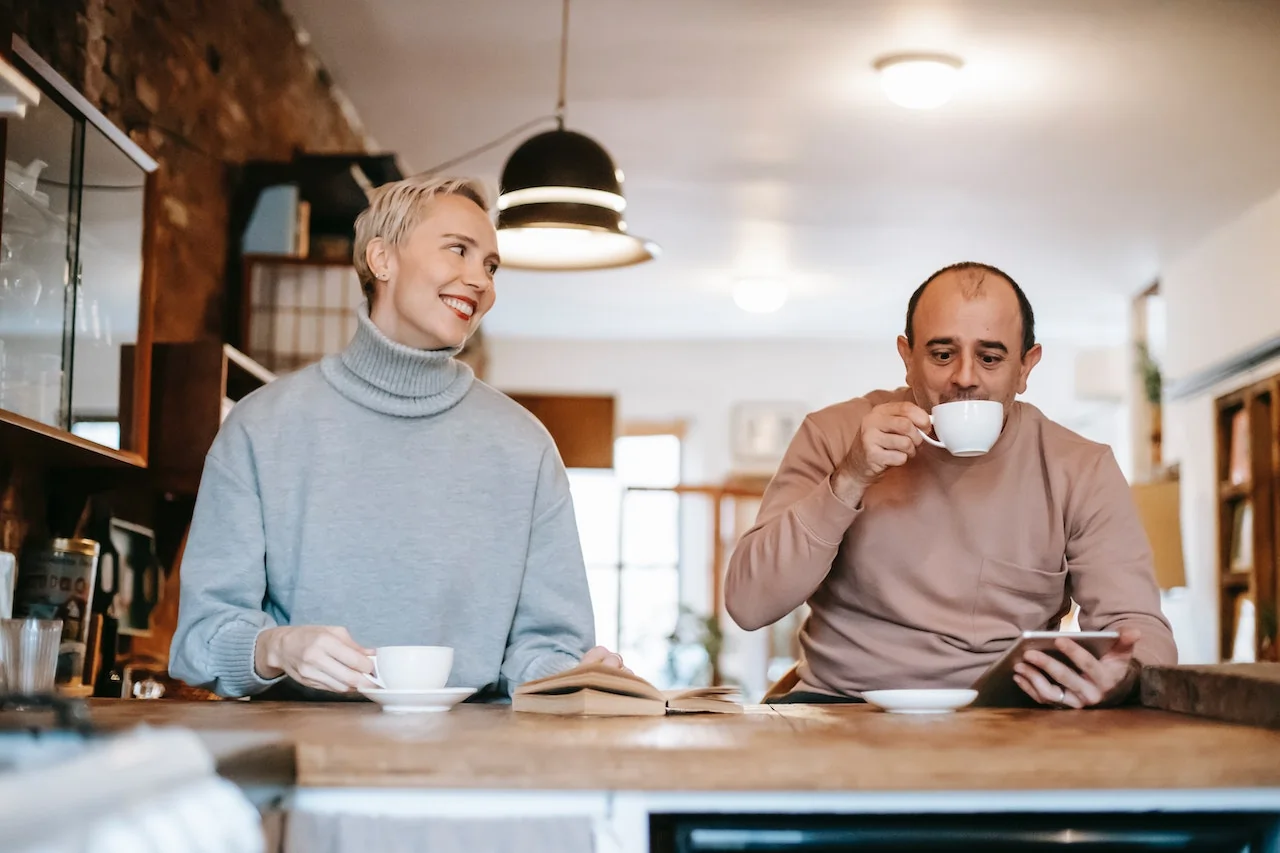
{"type": "Point", "coordinates": [197, 84]}
{"type": "Point", "coordinates": [52, 28]}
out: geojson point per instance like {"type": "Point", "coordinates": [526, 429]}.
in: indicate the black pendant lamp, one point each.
{"type": "Point", "coordinates": [561, 201]}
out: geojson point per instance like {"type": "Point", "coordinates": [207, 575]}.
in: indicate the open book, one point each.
{"type": "Point", "coordinates": [596, 690]}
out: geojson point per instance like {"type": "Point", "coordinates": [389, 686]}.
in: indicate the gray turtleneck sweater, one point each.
{"type": "Point", "coordinates": [387, 491]}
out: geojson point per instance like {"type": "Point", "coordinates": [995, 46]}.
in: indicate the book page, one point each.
{"type": "Point", "coordinates": [720, 692]}
{"type": "Point", "coordinates": [593, 677]}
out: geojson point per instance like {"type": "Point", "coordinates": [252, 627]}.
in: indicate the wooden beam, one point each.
{"type": "Point", "coordinates": [1215, 374]}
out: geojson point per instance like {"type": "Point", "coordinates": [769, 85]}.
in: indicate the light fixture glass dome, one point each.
{"type": "Point", "coordinates": [919, 81]}
{"type": "Point", "coordinates": [561, 207]}
{"type": "Point", "coordinates": [559, 247]}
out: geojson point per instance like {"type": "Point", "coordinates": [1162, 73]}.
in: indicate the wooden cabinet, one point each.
{"type": "Point", "coordinates": [1248, 430]}
{"type": "Point", "coordinates": [582, 426]}
{"type": "Point", "coordinates": [193, 386]}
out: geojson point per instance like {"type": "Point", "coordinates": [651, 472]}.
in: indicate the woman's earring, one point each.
{"type": "Point", "coordinates": [382, 276]}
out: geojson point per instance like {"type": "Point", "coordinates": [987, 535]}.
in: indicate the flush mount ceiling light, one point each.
{"type": "Point", "coordinates": [919, 81]}
{"type": "Point", "coordinates": [561, 201]}
{"type": "Point", "coordinates": [759, 295]}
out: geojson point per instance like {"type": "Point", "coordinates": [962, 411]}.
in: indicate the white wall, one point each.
{"type": "Point", "coordinates": [1222, 297]}
{"type": "Point", "coordinates": [699, 382]}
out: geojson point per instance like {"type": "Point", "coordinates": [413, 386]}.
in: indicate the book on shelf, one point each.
{"type": "Point", "coordinates": [1244, 639]}
{"type": "Point", "coordinates": [1238, 457]}
{"type": "Point", "coordinates": [1242, 538]}
{"type": "Point", "coordinates": [598, 690]}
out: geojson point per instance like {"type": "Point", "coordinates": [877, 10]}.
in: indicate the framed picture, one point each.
{"type": "Point", "coordinates": [761, 432]}
{"type": "Point", "coordinates": [137, 577]}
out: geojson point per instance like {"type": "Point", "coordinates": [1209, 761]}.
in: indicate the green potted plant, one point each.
{"type": "Point", "coordinates": [694, 632]}
{"type": "Point", "coordinates": [1153, 391]}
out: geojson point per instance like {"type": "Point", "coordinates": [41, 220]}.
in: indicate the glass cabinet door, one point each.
{"type": "Point", "coordinates": [37, 242]}
{"type": "Point", "coordinates": [71, 262]}
{"type": "Point", "coordinates": [107, 294]}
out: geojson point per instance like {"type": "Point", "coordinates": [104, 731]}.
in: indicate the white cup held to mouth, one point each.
{"type": "Point", "coordinates": [411, 667]}
{"type": "Point", "coordinates": [966, 427]}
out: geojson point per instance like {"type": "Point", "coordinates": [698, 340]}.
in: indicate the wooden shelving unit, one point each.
{"type": "Point", "coordinates": [297, 310]}
{"type": "Point", "coordinates": [193, 386]}
{"type": "Point", "coordinates": [1248, 445]}
{"type": "Point", "coordinates": [32, 441]}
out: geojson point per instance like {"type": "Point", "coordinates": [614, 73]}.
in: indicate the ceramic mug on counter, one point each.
{"type": "Point", "coordinates": [412, 667]}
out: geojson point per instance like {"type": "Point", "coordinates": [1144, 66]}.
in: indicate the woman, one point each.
{"type": "Point", "coordinates": [384, 496]}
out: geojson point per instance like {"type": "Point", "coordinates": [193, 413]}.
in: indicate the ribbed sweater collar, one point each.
{"type": "Point", "coordinates": [394, 379]}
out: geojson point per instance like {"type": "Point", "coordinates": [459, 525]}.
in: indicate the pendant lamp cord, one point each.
{"type": "Point", "coordinates": [515, 131]}
{"type": "Point", "coordinates": [531, 123]}
{"type": "Point", "coordinates": [564, 62]}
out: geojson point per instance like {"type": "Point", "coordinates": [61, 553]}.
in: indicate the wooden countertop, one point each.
{"type": "Point", "coordinates": [798, 748]}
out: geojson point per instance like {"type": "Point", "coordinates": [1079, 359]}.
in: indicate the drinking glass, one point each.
{"type": "Point", "coordinates": [29, 654]}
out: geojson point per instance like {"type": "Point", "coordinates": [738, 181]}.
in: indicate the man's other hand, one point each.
{"type": "Point", "coordinates": [1107, 680]}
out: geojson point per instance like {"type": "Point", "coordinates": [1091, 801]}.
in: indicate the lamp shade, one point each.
{"type": "Point", "coordinates": [561, 207]}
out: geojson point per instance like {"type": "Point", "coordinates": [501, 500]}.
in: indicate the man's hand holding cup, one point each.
{"type": "Point", "coordinates": [887, 438]}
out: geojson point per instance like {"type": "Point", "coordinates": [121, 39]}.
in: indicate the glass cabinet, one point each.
{"type": "Point", "coordinates": [72, 295]}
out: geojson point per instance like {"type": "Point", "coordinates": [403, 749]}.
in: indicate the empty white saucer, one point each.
{"type": "Point", "coordinates": [920, 701]}
{"type": "Point", "coordinates": [417, 701]}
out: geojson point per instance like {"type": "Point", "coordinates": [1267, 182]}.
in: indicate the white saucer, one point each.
{"type": "Point", "coordinates": [920, 701]}
{"type": "Point", "coordinates": [417, 701]}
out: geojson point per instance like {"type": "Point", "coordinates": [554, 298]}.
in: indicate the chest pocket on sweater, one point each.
{"type": "Point", "coordinates": [1012, 599]}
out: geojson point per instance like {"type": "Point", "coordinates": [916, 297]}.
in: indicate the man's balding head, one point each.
{"type": "Point", "coordinates": [972, 280]}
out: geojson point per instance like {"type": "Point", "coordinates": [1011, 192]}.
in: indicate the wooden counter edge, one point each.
{"type": "Point", "coordinates": [1246, 693]}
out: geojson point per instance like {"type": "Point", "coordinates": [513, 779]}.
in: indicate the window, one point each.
{"type": "Point", "coordinates": [629, 525]}
{"type": "Point", "coordinates": [105, 431]}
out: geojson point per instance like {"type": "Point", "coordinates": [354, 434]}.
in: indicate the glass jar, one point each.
{"type": "Point", "coordinates": [56, 582]}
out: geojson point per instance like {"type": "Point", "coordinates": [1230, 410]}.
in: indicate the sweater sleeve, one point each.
{"type": "Point", "coordinates": [223, 576]}
{"type": "Point", "coordinates": [1110, 565]}
{"type": "Point", "coordinates": [781, 561]}
{"type": "Point", "coordinates": [553, 624]}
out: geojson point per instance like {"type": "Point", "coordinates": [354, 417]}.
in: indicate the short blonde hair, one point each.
{"type": "Point", "coordinates": [396, 208]}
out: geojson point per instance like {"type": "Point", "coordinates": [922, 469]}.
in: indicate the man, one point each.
{"type": "Point", "coordinates": [920, 568]}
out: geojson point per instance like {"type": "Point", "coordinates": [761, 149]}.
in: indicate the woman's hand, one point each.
{"type": "Point", "coordinates": [603, 656]}
{"type": "Point", "coordinates": [318, 656]}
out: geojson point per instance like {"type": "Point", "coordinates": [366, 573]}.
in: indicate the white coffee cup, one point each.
{"type": "Point", "coordinates": [411, 667]}
{"type": "Point", "coordinates": [966, 427]}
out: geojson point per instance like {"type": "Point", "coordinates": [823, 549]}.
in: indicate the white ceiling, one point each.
{"type": "Point", "coordinates": [1090, 142]}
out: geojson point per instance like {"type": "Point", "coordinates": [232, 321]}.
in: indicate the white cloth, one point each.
{"type": "Point", "coordinates": [207, 816]}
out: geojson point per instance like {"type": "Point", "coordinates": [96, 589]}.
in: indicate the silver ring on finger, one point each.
{"type": "Point", "coordinates": [1062, 699]}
